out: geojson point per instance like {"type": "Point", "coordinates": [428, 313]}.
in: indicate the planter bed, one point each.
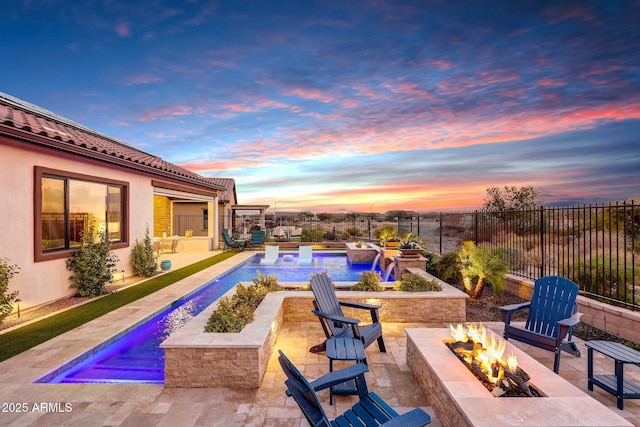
{"type": "Point", "coordinates": [194, 358]}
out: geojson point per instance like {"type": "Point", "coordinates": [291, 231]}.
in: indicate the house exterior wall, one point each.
{"type": "Point", "coordinates": [45, 281]}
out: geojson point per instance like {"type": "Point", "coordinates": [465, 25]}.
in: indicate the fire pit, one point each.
{"type": "Point", "coordinates": [459, 399]}
{"type": "Point", "coordinates": [483, 355]}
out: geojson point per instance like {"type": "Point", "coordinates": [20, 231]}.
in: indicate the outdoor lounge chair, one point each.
{"type": "Point", "coordinates": [334, 323]}
{"type": "Point", "coordinates": [552, 315]}
{"type": "Point", "coordinates": [270, 255]}
{"type": "Point", "coordinates": [305, 255]}
{"type": "Point", "coordinates": [229, 243]}
{"type": "Point", "coordinates": [370, 410]}
{"type": "Point", "coordinates": [257, 239]}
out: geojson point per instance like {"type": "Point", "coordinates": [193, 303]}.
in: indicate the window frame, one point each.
{"type": "Point", "coordinates": [39, 173]}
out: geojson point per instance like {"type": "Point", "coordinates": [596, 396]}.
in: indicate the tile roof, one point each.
{"type": "Point", "coordinates": [230, 189]}
{"type": "Point", "coordinates": [19, 118]}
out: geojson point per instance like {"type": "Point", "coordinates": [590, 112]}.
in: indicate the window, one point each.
{"type": "Point", "coordinates": [68, 204]}
{"type": "Point", "coordinates": [205, 219]}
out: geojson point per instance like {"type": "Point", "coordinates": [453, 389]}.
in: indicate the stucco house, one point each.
{"type": "Point", "coordinates": [58, 176]}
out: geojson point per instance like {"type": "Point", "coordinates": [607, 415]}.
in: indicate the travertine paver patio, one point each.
{"type": "Point", "coordinates": [155, 405]}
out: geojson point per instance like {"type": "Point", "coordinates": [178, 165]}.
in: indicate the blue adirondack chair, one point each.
{"type": "Point", "coordinates": [329, 310]}
{"type": "Point", "coordinates": [230, 243]}
{"type": "Point", "coordinates": [371, 410]}
{"type": "Point", "coordinates": [552, 315]}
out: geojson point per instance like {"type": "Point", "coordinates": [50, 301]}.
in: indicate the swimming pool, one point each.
{"type": "Point", "coordinates": [135, 355]}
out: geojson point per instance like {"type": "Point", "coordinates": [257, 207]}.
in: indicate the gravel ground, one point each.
{"type": "Point", "coordinates": [486, 309]}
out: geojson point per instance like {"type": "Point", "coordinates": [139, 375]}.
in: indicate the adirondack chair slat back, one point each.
{"type": "Point", "coordinates": [326, 299]}
{"type": "Point", "coordinates": [303, 393]}
{"type": "Point", "coordinates": [554, 299]}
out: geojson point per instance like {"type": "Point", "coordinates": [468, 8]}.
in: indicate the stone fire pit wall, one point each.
{"type": "Point", "coordinates": [194, 358]}
{"type": "Point", "coordinates": [459, 399]}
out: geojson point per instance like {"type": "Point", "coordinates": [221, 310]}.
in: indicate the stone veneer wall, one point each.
{"type": "Point", "coordinates": [617, 321]}
{"type": "Point", "coordinates": [434, 390]}
{"type": "Point", "coordinates": [194, 358]}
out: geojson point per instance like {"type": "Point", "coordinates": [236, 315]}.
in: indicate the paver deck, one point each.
{"type": "Point", "coordinates": [154, 405]}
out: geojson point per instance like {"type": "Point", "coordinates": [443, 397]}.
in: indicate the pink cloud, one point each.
{"type": "Point", "coordinates": [141, 79]}
{"type": "Point", "coordinates": [313, 94]}
{"type": "Point", "coordinates": [165, 112]}
{"type": "Point", "coordinates": [550, 82]}
{"type": "Point", "coordinates": [122, 29]}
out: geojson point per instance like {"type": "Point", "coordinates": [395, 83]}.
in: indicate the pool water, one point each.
{"type": "Point", "coordinates": [135, 355]}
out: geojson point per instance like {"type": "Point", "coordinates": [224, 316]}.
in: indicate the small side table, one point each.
{"type": "Point", "coordinates": [344, 349]}
{"type": "Point", "coordinates": [614, 384]}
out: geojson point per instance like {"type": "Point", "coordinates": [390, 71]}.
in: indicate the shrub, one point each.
{"type": "Point", "coordinates": [229, 316]}
{"type": "Point", "coordinates": [483, 266]}
{"type": "Point", "coordinates": [7, 271]}
{"type": "Point", "coordinates": [448, 267]}
{"type": "Point", "coordinates": [311, 236]}
{"type": "Point", "coordinates": [604, 276]}
{"type": "Point", "coordinates": [232, 314]}
{"type": "Point", "coordinates": [268, 282]}
{"type": "Point", "coordinates": [369, 281]}
{"type": "Point", "coordinates": [412, 282]}
{"type": "Point", "coordinates": [143, 257]}
{"type": "Point", "coordinates": [93, 264]}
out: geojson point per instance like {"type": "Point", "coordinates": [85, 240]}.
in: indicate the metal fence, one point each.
{"type": "Point", "coordinates": [597, 246]}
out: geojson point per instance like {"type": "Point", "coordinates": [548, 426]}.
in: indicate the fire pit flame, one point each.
{"type": "Point", "coordinates": [484, 357]}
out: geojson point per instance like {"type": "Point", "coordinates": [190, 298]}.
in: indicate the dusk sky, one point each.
{"type": "Point", "coordinates": [339, 106]}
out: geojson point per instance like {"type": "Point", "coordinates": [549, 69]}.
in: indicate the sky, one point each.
{"type": "Point", "coordinates": [343, 106]}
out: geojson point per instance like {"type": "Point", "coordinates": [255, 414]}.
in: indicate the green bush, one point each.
{"type": "Point", "coordinates": [7, 271]}
{"type": "Point", "coordinates": [229, 316]}
{"type": "Point", "coordinates": [600, 275]}
{"type": "Point", "coordinates": [311, 236]}
{"type": "Point", "coordinates": [143, 257]}
{"type": "Point", "coordinates": [232, 314]}
{"type": "Point", "coordinates": [448, 267]}
{"type": "Point", "coordinates": [369, 281]}
{"type": "Point", "coordinates": [93, 264]}
{"type": "Point", "coordinates": [412, 282]}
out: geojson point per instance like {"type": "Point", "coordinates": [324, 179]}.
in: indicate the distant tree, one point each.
{"type": "Point", "coordinates": [304, 216]}
{"type": "Point", "coordinates": [397, 214]}
{"type": "Point", "coordinates": [512, 198]}
{"type": "Point", "coordinates": [325, 216]}
{"type": "Point", "coordinates": [509, 204]}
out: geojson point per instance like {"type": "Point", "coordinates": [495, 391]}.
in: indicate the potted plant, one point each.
{"type": "Point", "coordinates": [188, 233]}
{"type": "Point", "coordinates": [388, 237]}
{"type": "Point", "coordinates": [410, 247]}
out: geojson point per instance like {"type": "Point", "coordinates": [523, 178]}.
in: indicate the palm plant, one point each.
{"type": "Point", "coordinates": [481, 265]}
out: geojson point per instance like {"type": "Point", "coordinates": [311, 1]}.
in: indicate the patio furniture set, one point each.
{"type": "Point", "coordinates": [552, 313]}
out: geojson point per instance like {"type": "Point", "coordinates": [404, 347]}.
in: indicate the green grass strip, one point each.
{"type": "Point", "coordinates": [22, 339]}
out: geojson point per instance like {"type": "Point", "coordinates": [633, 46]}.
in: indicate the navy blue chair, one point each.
{"type": "Point", "coordinates": [552, 315]}
{"type": "Point", "coordinates": [334, 323]}
{"type": "Point", "coordinates": [370, 410]}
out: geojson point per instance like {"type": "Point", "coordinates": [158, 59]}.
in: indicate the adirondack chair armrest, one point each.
{"type": "Point", "coordinates": [359, 305]}
{"type": "Point", "coordinates": [413, 418]}
{"type": "Point", "coordinates": [340, 376]}
{"type": "Point", "coordinates": [373, 309]}
{"type": "Point", "coordinates": [565, 324]}
{"type": "Point", "coordinates": [334, 318]}
{"type": "Point", "coordinates": [506, 311]}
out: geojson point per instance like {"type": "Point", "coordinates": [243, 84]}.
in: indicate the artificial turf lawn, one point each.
{"type": "Point", "coordinates": [28, 336]}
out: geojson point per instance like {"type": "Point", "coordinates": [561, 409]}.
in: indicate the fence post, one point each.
{"type": "Point", "coordinates": [440, 253]}
{"type": "Point", "coordinates": [475, 227]}
{"type": "Point", "coordinates": [542, 243]}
